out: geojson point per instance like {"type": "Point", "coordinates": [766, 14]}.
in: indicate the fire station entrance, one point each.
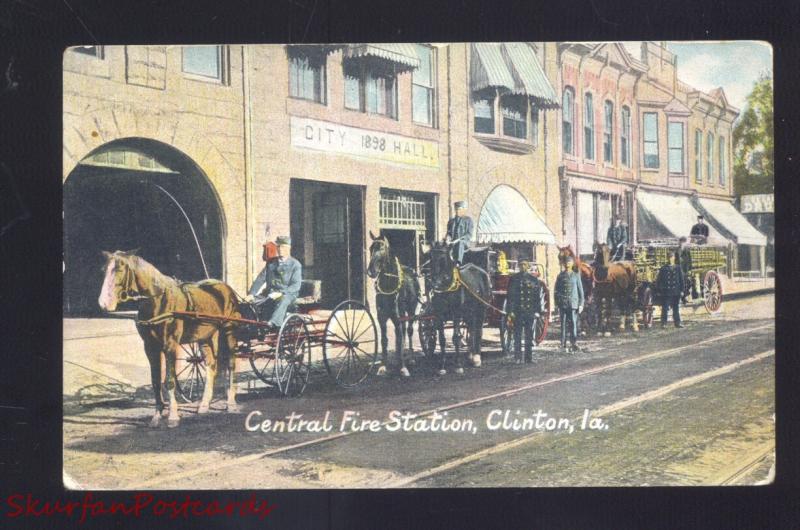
{"type": "Point", "coordinates": [327, 231]}
{"type": "Point", "coordinates": [141, 195]}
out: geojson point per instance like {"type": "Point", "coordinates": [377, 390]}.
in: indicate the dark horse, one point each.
{"type": "Point", "coordinates": [129, 277]}
{"type": "Point", "coordinates": [396, 297]}
{"type": "Point", "coordinates": [614, 285]}
{"type": "Point", "coordinates": [458, 293]}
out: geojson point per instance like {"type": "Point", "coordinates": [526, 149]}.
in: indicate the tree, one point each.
{"type": "Point", "coordinates": [754, 142]}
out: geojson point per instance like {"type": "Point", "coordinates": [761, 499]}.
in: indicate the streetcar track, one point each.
{"type": "Point", "coordinates": [155, 481]}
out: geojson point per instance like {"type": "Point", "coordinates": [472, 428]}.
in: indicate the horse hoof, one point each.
{"type": "Point", "coordinates": [165, 413]}
{"type": "Point", "coordinates": [381, 370]}
{"type": "Point", "coordinates": [599, 333]}
{"type": "Point", "coordinates": [476, 361]}
{"type": "Point", "coordinates": [173, 422]}
{"type": "Point", "coordinates": [156, 420]}
{"type": "Point", "coordinates": [459, 371]}
{"type": "Point", "coordinates": [607, 334]}
{"type": "Point", "coordinates": [202, 409]}
{"type": "Point", "coordinates": [442, 372]}
{"type": "Point", "coordinates": [404, 372]}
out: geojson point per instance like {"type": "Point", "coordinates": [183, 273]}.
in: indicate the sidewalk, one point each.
{"type": "Point", "coordinates": [741, 288]}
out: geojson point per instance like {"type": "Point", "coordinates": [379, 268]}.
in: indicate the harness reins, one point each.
{"type": "Point", "coordinates": [458, 283]}
{"type": "Point", "coordinates": [126, 295]}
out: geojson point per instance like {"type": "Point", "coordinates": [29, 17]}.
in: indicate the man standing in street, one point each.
{"type": "Point", "coordinates": [459, 231]}
{"type": "Point", "coordinates": [617, 239]}
{"type": "Point", "coordinates": [669, 286]}
{"type": "Point", "coordinates": [277, 286]}
{"type": "Point", "coordinates": [699, 233]}
{"type": "Point", "coordinates": [524, 307]}
{"type": "Point", "coordinates": [569, 300]}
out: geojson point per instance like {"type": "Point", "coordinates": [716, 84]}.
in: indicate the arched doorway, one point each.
{"type": "Point", "coordinates": [118, 198]}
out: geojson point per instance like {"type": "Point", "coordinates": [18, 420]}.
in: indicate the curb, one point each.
{"type": "Point", "coordinates": [746, 294]}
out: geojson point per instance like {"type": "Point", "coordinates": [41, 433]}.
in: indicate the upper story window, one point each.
{"type": "Point", "coordinates": [370, 89]}
{"type": "Point", "coordinates": [625, 137]}
{"type": "Point", "coordinates": [588, 127]}
{"type": "Point", "coordinates": [675, 147]}
{"type": "Point", "coordinates": [484, 115]}
{"type": "Point", "coordinates": [204, 61]}
{"type": "Point", "coordinates": [515, 113]}
{"type": "Point", "coordinates": [608, 131]}
{"type": "Point", "coordinates": [534, 125]}
{"type": "Point", "coordinates": [568, 114]}
{"type": "Point", "coordinates": [307, 75]}
{"type": "Point", "coordinates": [650, 140]}
{"type": "Point", "coordinates": [93, 51]}
{"type": "Point", "coordinates": [722, 162]}
{"type": "Point", "coordinates": [423, 86]}
{"type": "Point", "coordinates": [698, 155]}
{"type": "Point", "coordinates": [709, 157]}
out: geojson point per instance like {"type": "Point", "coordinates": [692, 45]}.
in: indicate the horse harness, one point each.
{"type": "Point", "coordinates": [399, 277]}
{"type": "Point", "coordinates": [458, 283]}
{"type": "Point", "coordinates": [127, 295]}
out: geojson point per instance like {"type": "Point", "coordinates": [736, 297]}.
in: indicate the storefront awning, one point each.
{"type": "Point", "coordinates": [663, 216]}
{"type": "Point", "coordinates": [506, 217]}
{"type": "Point", "coordinates": [402, 54]}
{"type": "Point", "coordinates": [730, 222]}
{"type": "Point", "coordinates": [513, 67]}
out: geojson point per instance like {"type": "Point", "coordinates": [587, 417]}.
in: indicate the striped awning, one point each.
{"type": "Point", "coordinates": [401, 53]}
{"type": "Point", "coordinates": [511, 66]}
{"type": "Point", "coordinates": [662, 216]}
{"type": "Point", "coordinates": [319, 48]}
{"type": "Point", "coordinates": [730, 222]}
{"type": "Point", "coordinates": [507, 217]}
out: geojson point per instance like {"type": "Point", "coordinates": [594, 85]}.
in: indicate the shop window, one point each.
{"type": "Point", "coordinates": [625, 138]}
{"type": "Point", "coordinates": [370, 89]}
{"type": "Point", "coordinates": [675, 146]}
{"type": "Point", "coordinates": [722, 162]}
{"type": "Point", "coordinates": [568, 114]}
{"type": "Point", "coordinates": [588, 127]}
{"type": "Point", "coordinates": [204, 61]}
{"type": "Point", "coordinates": [515, 111]}
{"type": "Point", "coordinates": [698, 155]}
{"type": "Point", "coordinates": [709, 158]}
{"type": "Point", "coordinates": [423, 86]}
{"type": "Point", "coordinates": [307, 75]}
{"type": "Point", "coordinates": [650, 139]}
{"type": "Point", "coordinates": [608, 131]}
{"type": "Point", "coordinates": [484, 115]}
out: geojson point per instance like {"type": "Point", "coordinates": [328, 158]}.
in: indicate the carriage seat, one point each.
{"type": "Point", "coordinates": [310, 292]}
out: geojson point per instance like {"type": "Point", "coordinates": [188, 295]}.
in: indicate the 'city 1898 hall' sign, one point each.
{"type": "Point", "coordinates": [333, 138]}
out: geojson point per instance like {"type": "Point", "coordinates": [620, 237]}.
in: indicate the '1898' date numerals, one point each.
{"type": "Point", "coordinates": [373, 142]}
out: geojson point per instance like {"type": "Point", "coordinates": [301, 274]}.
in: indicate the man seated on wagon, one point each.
{"type": "Point", "coordinates": [699, 233]}
{"type": "Point", "coordinates": [277, 286]}
{"type": "Point", "coordinates": [524, 305]}
{"type": "Point", "coordinates": [459, 231]}
{"type": "Point", "coordinates": [617, 239]}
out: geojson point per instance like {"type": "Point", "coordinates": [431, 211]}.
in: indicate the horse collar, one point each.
{"type": "Point", "coordinates": [399, 277]}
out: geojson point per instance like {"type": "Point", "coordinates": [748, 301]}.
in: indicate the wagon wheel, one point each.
{"type": "Point", "coordinates": [427, 329]}
{"type": "Point", "coordinates": [350, 343]}
{"type": "Point", "coordinates": [263, 365]}
{"type": "Point", "coordinates": [713, 292]}
{"type": "Point", "coordinates": [462, 334]}
{"type": "Point", "coordinates": [540, 326]}
{"type": "Point", "coordinates": [190, 370]}
{"type": "Point", "coordinates": [646, 303]}
{"type": "Point", "coordinates": [592, 318]}
{"type": "Point", "coordinates": [293, 356]}
{"type": "Point", "coordinates": [506, 332]}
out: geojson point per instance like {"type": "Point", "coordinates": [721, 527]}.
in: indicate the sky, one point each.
{"type": "Point", "coordinates": [733, 65]}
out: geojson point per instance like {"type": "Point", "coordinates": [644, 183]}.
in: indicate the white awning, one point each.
{"type": "Point", "coordinates": [506, 217]}
{"type": "Point", "coordinates": [732, 223]}
{"type": "Point", "coordinates": [667, 216]}
{"type": "Point", "coordinates": [400, 53]}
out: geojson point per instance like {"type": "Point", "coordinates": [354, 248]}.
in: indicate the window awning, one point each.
{"type": "Point", "coordinates": [662, 216]}
{"type": "Point", "coordinates": [511, 66]}
{"type": "Point", "coordinates": [402, 54]}
{"type": "Point", "coordinates": [730, 222]}
{"type": "Point", "coordinates": [506, 217]}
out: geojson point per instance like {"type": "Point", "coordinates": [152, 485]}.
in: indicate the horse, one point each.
{"type": "Point", "coordinates": [614, 284]}
{"type": "Point", "coordinates": [458, 293]}
{"type": "Point", "coordinates": [130, 277]}
{"type": "Point", "coordinates": [587, 281]}
{"type": "Point", "coordinates": [397, 297]}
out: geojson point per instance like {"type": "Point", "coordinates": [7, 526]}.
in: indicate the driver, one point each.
{"type": "Point", "coordinates": [277, 286]}
{"type": "Point", "coordinates": [459, 231]}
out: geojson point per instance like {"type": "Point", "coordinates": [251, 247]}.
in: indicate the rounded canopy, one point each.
{"type": "Point", "coordinates": [507, 217]}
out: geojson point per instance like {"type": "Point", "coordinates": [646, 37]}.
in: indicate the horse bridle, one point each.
{"type": "Point", "coordinates": [399, 274]}
{"type": "Point", "coordinates": [129, 292]}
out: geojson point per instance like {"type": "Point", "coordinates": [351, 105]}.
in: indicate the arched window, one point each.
{"type": "Point", "coordinates": [588, 127]}
{"type": "Point", "coordinates": [710, 158]}
{"type": "Point", "coordinates": [722, 161]}
{"type": "Point", "coordinates": [568, 114]}
{"type": "Point", "coordinates": [608, 131]}
{"type": "Point", "coordinates": [625, 137]}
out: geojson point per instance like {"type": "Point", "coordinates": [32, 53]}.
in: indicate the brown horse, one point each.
{"type": "Point", "coordinates": [587, 280]}
{"type": "Point", "coordinates": [129, 277]}
{"type": "Point", "coordinates": [614, 284]}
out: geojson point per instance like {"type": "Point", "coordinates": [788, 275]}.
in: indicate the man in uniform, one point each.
{"type": "Point", "coordinates": [669, 286]}
{"type": "Point", "coordinates": [278, 285]}
{"type": "Point", "coordinates": [699, 233]}
{"type": "Point", "coordinates": [569, 300]}
{"type": "Point", "coordinates": [459, 231]}
{"type": "Point", "coordinates": [524, 306]}
{"type": "Point", "coordinates": [685, 261]}
{"type": "Point", "coordinates": [617, 239]}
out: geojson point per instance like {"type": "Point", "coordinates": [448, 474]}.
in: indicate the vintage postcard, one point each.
{"type": "Point", "coordinates": [401, 265]}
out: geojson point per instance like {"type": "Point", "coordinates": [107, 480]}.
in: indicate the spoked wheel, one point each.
{"type": "Point", "coordinates": [462, 335]}
{"type": "Point", "coordinates": [646, 303]}
{"type": "Point", "coordinates": [426, 327]}
{"type": "Point", "coordinates": [540, 326]}
{"type": "Point", "coordinates": [713, 292]}
{"type": "Point", "coordinates": [350, 343]}
{"type": "Point", "coordinates": [263, 365]}
{"type": "Point", "coordinates": [506, 332]}
{"type": "Point", "coordinates": [293, 356]}
{"type": "Point", "coordinates": [190, 371]}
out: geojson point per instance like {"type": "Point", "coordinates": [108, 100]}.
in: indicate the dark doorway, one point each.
{"type": "Point", "coordinates": [327, 229]}
{"type": "Point", "coordinates": [112, 201]}
{"type": "Point", "coordinates": [403, 244]}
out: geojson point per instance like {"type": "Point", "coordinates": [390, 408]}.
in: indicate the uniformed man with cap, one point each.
{"type": "Point", "coordinates": [569, 299]}
{"type": "Point", "coordinates": [277, 286]}
{"type": "Point", "coordinates": [459, 231]}
{"type": "Point", "coordinates": [617, 239]}
{"type": "Point", "coordinates": [669, 286]}
{"type": "Point", "coordinates": [699, 233]}
{"type": "Point", "coordinates": [524, 306]}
